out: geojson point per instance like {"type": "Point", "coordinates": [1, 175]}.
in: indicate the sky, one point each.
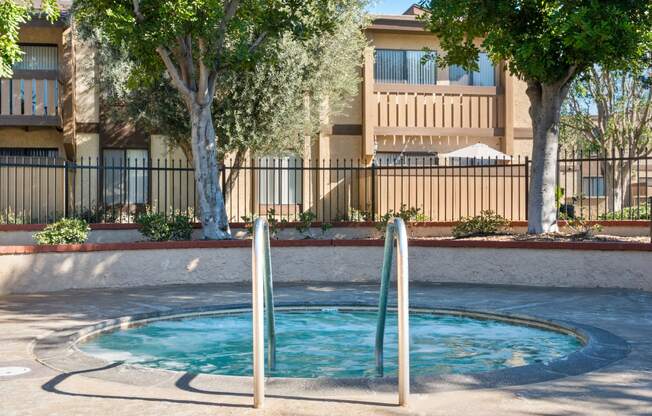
{"type": "Point", "coordinates": [390, 6]}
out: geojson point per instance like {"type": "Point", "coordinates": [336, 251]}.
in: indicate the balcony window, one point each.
{"type": "Point", "coordinates": [124, 180]}
{"type": "Point", "coordinates": [404, 67]}
{"type": "Point", "coordinates": [484, 77]}
{"type": "Point", "coordinates": [38, 57]}
{"type": "Point", "coordinates": [280, 181]}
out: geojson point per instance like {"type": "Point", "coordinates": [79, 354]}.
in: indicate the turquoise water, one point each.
{"type": "Point", "coordinates": [331, 343]}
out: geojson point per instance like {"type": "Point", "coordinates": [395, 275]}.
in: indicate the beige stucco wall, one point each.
{"type": "Point", "coordinates": [87, 101]}
{"type": "Point", "coordinates": [32, 137]}
{"type": "Point", "coordinates": [558, 268]}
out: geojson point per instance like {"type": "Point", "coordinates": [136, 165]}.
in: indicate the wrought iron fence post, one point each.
{"type": "Point", "coordinates": [66, 189]}
{"type": "Point", "coordinates": [527, 187]}
{"type": "Point", "coordinates": [373, 191]}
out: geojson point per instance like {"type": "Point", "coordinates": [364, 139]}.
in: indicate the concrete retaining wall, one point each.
{"type": "Point", "coordinates": [42, 272]}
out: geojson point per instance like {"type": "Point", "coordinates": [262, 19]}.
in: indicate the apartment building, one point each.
{"type": "Point", "coordinates": [406, 112]}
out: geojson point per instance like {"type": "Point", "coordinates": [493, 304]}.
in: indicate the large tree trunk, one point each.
{"type": "Point", "coordinates": [546, 101]}
{"type": "Point", "coordinates": [618, 180]}
{"type": "Point", "coordinates": [212, 211]}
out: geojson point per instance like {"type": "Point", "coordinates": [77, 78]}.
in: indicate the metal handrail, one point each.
{"type": "Point", "coordinates": [396, 232]}
{"type": "Point", "coordinates": [262, 300]}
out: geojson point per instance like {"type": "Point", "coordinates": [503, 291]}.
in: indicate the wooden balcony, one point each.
{"type": "Point", "coordinates": [437, 110]}
{"type": "Point", "coordinates": [31, 98]}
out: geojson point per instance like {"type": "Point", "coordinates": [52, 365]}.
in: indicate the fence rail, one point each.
{"type": "Point", "coordinates": [590, 186]}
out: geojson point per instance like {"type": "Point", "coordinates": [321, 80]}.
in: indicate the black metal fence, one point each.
{"type": "Point", "coordinates": [590, 186]}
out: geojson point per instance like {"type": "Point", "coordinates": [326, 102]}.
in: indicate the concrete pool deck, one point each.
{"type": "Point", "coordinates": [623, 387]}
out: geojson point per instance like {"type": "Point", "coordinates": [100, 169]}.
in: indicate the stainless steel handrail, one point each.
{"type": "Point", "coordinates": [262, 300]}
{"type": "Point", "coordinates": [396, 232]}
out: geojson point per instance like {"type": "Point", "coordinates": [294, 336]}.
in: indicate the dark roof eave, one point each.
{"type": "Point", "coordinates": [396, 23]}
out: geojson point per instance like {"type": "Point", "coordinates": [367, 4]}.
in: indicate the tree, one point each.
{"type": "Point", "coordinates": [547, 43]}
{"type": "Point", "coordinates": [198, 44]}
{"type": "Point", "coordinates": [610, 113]}
{"type": "Point", "coordinates": [12, 15]}
{"type": "Point", "coordinates": [268, 109]}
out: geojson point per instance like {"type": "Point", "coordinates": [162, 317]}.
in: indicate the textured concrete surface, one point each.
{"type": "Point", "coordinates": [43, 272]}
{"type": "Point", "coordinates": [621, 388]}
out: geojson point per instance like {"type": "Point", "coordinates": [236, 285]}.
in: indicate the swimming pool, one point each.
{"type": "Point", "coordinates": [331, 342]}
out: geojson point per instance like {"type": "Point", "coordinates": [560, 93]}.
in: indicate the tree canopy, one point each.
{"type": "Point", "coordinates": [546, 43]}
{"type": "Point", "coordinates": [199, 45]}
{"type": "Point", "coordinates": [267, 109]}
{"type": "Point", "coordinates": [12, 15]}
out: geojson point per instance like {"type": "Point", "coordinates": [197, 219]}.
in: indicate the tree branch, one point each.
{"type": "Point", "coordinates": [259, 40]}
{"type": "Point", "coordinates": [174, 72]}
{"type": "Point", "coordinates": [139, 15]}
{"type": "Point", "coordinates": [230, 8]}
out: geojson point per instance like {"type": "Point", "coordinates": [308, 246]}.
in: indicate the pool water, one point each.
{"type": "Point", "coordinates": [331, 343]}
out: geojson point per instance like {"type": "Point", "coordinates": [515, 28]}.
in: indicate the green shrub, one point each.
{"type": "Point", "coordinates": [408, 215]}
{"type": "Point", "coordinates": [64, 231]}
{"type": "Point", "coordinates": [634, 213]}
{"type": "Point", "coordinates": [487, 223]}
{"type": "Point", "coordinates": [157, 227]}
{"type": "Point", "coordinates": [180, 227]}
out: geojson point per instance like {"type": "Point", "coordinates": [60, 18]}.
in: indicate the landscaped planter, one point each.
{"type": "Point", "coordinates": [126, 233]}
{"type": "Point", "coordinates": [28, 269]}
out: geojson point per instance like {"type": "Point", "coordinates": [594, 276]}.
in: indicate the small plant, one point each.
{"type": "Point", "coordinates": [581, 230]}
{"type": "Point", "coordinates": [306, 219]}
{"type": "Point", "coordinates": [64, 231]}
{"type": "Point", "coordinates": [325, 226]}
{"type": "Point", "coordinates": [272, 221]}
{"type": "Point", "coordinates": [249, 223]}
{"type": "Point", "coordinates": [408, 215]}
{"type": "Point", "coordinates": [157, 227]}
{"type": "Point", "coordinates": [487, 223]}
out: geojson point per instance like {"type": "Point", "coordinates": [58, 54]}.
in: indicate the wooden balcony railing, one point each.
{"type": "Point", "coordinates": [30, 100]}
{"type": "Point", "coordinates": [438, 110]}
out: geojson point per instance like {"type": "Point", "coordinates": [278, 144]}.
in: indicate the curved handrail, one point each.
{"type": "Point", "coordinates": [396, 232]}
{"type": "Point", "coordinates": [262, 300]}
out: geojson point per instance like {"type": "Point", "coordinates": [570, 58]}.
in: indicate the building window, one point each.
{"type": "Point", "coordinates": [38, 57]}
{"type": "Point", "coordinates": [484, 77]}
{"type": "Point", "coordinates": [29, 152]}
{"type": "Point", "coordinates": [593, 186]}
{"type": "Point", "coordinates": [404, 67]}
{"type": "Point", "coordinates": [125, 179]}
{"type": "Point", "coordinates": [406, 159]}
{"type": "Point", "coordinates": [280, 181]}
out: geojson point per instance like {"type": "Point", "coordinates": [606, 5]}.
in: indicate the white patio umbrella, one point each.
{"type": "Point", "coordinates": [478, 151]}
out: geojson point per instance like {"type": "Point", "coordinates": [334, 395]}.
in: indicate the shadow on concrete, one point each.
{"type": "Point", "coordinates": [184, 381]}
{"type": "Point", "coordinates": [52, 386]}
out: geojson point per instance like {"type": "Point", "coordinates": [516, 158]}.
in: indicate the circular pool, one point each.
{"type": "Point", "coordinates": [332, 342]}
